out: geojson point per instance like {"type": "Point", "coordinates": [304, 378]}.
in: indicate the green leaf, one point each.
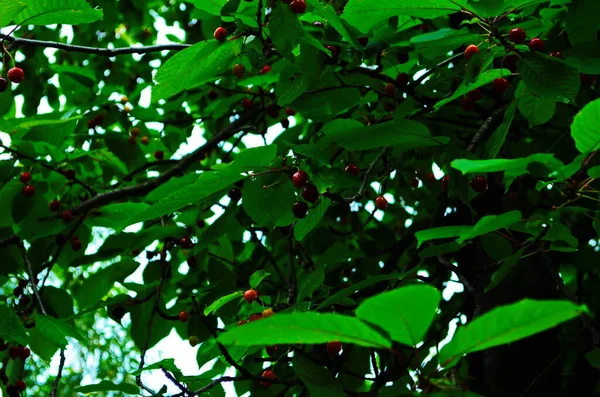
{"type": "Point", "coordinates": [508, 324]}
{"type": "Point", "coordinates": [193, 67]}
{"type": "Point", "coordinates": [582, 25]}
{"type": "Point", "coordinates": [219, 303]}
{"type": "Point", "coordinates": [312, 219]}
{"type": "Point", "coordinates": [285, 28]}
{"type": "Point", "coordinates": [585, 129]}
{"type": "Point", "coordinates": [328, 13]}
{"type": "Point", "coordinates": [8, 193]}
{"type": "Point", "coordinates": [96, 286]}
{"type": "Point", "coordinates": [489, 224]}
{"type": "Point", "coordinates": [491, 8]}
{"type": "Point", "coordinates": [484, 78]}
{"type": "Point", "coordinates": [56, 330]}
{"type": "Point", "coordinates": [439, 232]}
{"type": "Point", "coordinates": [209, 183]}
{"type": "Point", "coordinates": [106, 385]}
{"type": "Point", "coordinates": [364, 15]}
{"type": "Point", "coordinates": [405, 313]}
{"type": "Point", "coordinates": [167, 363]}
{"type": "Point", "coordinates": [11, 327]}
{"type": "Point", "coordinates": [549, 77]}
{"type": "Point", "coordinates": [537, 110]}
{"type": "Point", "coordinates": [257, 277]}
{"type": "Point", "coordinates": [268, 199]}
{"type": "Point", "coordinates": [340, 295]}
{"type": "Point", "coordinates": [115, 216]}
{"type": "Point", "coordinates": [406, 134]}
{"type": "Point", "coordinates": [304, 328]}
{"type": "Point", "coordinates": [318, 380]}
{"type": "Point", "coordinates": [66, 12]}
{"type": "Point", "coordinates": [593, 357]}
{"type": "Point", "coordinates": [311, 283]}
{"type": "Point", "coordinates": [505, 269]}
{"type": "Point", "coordinates": [585, 57]}
{"type": "Point", "coordinates": [594, 172]}
{"type": "Point", "coordinates": [210, 6]}
{"type": "Point", "coordinates": [512, 168]}
{"type": "Point", "coordinates": [9, 9]}
{"type": "Point", "coordinates": [497, 139]}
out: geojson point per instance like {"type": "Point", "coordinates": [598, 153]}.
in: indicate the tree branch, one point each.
{"type": "Point", "coordinates": [107, 52]}
{"type": "Point", "coordinates": [486, 126]}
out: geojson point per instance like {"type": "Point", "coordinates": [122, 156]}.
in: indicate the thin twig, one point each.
{"type": "Point", "coordinates": [59, 374]}
{"type": "Point", "coordinates": [363, 185]}
{"type": "Point", "coordinates": [107, 52]}
{"type": "Point", "coordinates": [32, 277]}
{"type": "Point", "coordinates": [184, 390]}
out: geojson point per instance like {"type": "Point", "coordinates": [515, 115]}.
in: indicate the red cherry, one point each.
{"type": "Point", "coordinates": [300, 178]}
{"type": "Point", "coordinates": [66, 216]}
{"type": "Point", "coordinates": [298, 6]}
{"type": "Point", "coordinates": [265, 69]}
{"type": "Point", "coordinates": [16, 75]}
{"type": "Point", "coordinates": [75, 243]}
{"type": "Point", "coordinates": [250, 295]}
{"type": "Point", "coordinates": [363, 41]}
{"type": "Point", "coordinates": [60, 239]}
{"type": "Point", "coordinates": [24, 353]}
{"type": "Point", "coordinates": [235, 194]}
{"type": "Point", "coordinates": [134, 131]}
{"type": "Point", "coordinates": [475, 95]}
{"type": "Point", "coordinates": [159, 155]}
{"type": "Point", "coordinates": [310, 193]}
{"type": "Point", "coordinates": [390, 89]}
{"type": "Point", "coordinates": [255, 317]}
{"type": "Point", "coordinates": [300, 209]}
{"type": "Point", "coordinates": [479, 184]}
{"type": "Point", "coordinates": [267, 313]}
{"type": "Point", "coordinates": [536, 44]}
{"type": "Point", "coordinates": [381, 203]}
{"type": "Point", "coordinates": [242, 322]}
{"type": "Point", "coordinates": [587, 80]}
{"type": "Point", "coordinates": [186, 243]}
{"type": "Point", "coordinates": [20, 385]}
{"type": "Point", "coordinates": [467, 103]}
{"type": "Point", "coordinates": [273, 111]}
{"type": "Point", "coordinates": [25, 177]}
{"type": "Point", "coordinates": [290, 112]}
{"type": "Point", "coordinates": [69, 174]}
{"type": "Point", "coordinates": [334, 347]}
{"type": "Point", "coordinates": [445, 181]}
{"type": "Point", "coordinates": [402, 80]}
{"type": "Point", "coordinates": [14, 352]}
{"type": "Point", "coordinates": [247, 104]}
{"type": "Point", "coordinates": [414, 183]}
{"type": "Point", "coordinates": [238, 70]}
{"type": "Point", "coordinates": [191, 262]}
{"type": "Point", "coordinates": [268, 373]}
{"type": "Point", "coordinates": [556, 54]}
{"type": "Point", "coordinates": [3, 84]}
{"type": "Point", "coordinates": [183, 316]}
{"type": "Point", "coordinates": [470, 51]}
{"type": "Point", "coordinates": [352, 169]}
{"type": "Point", "coordinates": [334, 51]}
{"type": "Point", "coordinates": [271, 350]}
{"type": "Point", "coordinates": [517, 35]}
{"type": "Point", "coordinates": [285, 123]}
{"type": "Point", "coordinates": [500, 85]}
{"type": "Point", "coordinates": [200, 223]}
{"type": "Point", "coordinates": [212, 95]}
{"type": "Point", "coordinates": [402, 57]}
{"type": "Point", "coordinates": [431, 179]}
{"type": "Point", "coordinates": [145, 140]}
{"type": "Point", "coordinates": [54, 205]}
{"type": "Point", "coordinates": [220, 34]}
{"type": "Point", "coordinates": [132, 140]}
{"type": "Point", "coordinates": [28, 190]}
